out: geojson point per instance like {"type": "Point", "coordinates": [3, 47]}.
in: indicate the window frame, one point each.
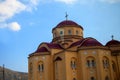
{"type": "Point", "coordinates": [69, 32]}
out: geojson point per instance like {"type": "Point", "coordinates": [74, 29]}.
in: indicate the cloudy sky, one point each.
{"type": "Point", "coordinates": [24, 24]}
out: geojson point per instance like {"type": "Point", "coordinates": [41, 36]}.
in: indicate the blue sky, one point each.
{"type": "Point", "coordinates": [24, 24]}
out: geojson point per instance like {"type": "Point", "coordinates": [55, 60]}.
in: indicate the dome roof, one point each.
{"type": "Point", "coordinates": [91, 42]}
{"type": "Point", "coordinates": [87, 42]}
{"type": "Point", "coordinates": [67, 22]}
{"type": "Point", "coordinates": [42, 49]}
{"type": "Point", "coordinates": [51, 45]}
{"type": "Point", "coordinates": [113, 42]}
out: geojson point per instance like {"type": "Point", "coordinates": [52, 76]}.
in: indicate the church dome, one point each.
{"type": "Point", "coordinates": [87, 42]}
{"type": "Point", "coordinates": [69, 23]}
{"type": "Point", "coordinates": [42, 49]}
{"type": "Point", "coordinates": [67, 32]}
{"type": "Point", "coordinates": [91, 42]}
{"type": "Point", "coordinates": [66, 22]}
{"type": "Point", "coordinates": [113, 42]}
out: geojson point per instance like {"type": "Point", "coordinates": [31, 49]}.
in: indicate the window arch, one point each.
{"type": "Point", "coordinates": [40, 66]}
{"type": "Point", "coordinates": [58, 59]}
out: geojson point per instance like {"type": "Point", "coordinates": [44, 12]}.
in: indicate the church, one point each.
{"type": "Point", "coordinates": [70, 56]}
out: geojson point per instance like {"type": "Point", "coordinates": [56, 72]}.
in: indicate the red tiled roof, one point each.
{"type": "Point", "coordinates": [67, 22]}
{"type": "Point", "coordinates": [50, 45]}
{"type": "Point", "coordinates": [113, 42]}
{"type": "Point", "coordinates": [87, 42]}
{"type": "Point", "coordinates": [77, 43]}
{"type": "Point", "coordinates": [53, 45]}
{"type": "Point", "coordinates": [91, 42]}
{"type": "Point", "coordinates": [42, 49]}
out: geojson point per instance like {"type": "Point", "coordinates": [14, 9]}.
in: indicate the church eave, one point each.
{"type": "Point", "coordinates": [93, 47]}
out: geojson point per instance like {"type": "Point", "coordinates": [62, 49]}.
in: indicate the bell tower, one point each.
{"type": "Point", "coordinates": [67, 32]}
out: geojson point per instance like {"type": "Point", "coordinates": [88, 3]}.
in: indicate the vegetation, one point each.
{"type": "Point", "coordinates": [12, 75]}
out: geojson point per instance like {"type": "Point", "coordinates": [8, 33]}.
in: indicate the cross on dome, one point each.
{"type": "Point", "coordinates": [112, 37]}
{"type": "Point", "coordinates": [66, 16]}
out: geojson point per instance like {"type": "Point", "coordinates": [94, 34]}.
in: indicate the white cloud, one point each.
{"type": "Point", "coordinates": [9, 8]}
{"type": "Point", "coordinates": [34, 2]}
{"type": "Point", "coordinates": [14, 26]}
{"type": "Point", "coordinates": [67, 1]}
{"type": "Point", "coordinates": [32, 5]}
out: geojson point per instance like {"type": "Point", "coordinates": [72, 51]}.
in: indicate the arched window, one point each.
{"type": "Point", "coordinates": [61, 32]}
{"type": "Point", "coordinates": [91, 62]}
{"type": "Point", "coordinates": [106, 78]}
{"type": "Point", "coordinates": [105, 62]}
{"type": "Point", "coordinates": [77, 32]}
{"type": "Point", "coordinates": [69, 32]}
{"type": "Point", "coordinates": [73, 63]}
{"type": "Point", "coordinates": [74, 78]}
{"type": "Point", "coordinates": [92, 78]}
{"type": "Point", "coordinates": [40, 67]}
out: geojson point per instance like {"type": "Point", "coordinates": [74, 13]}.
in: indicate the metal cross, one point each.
{"type": "Point", "coordinates": [112, 37]}
{"type": "Point", "coordinates": [66, 16]}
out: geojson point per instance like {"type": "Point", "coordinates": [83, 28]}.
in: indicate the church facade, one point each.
{"type": "Point", "coordinates": [70, 56]}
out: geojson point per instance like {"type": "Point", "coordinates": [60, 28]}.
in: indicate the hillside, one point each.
{"type": "Point", "coordinates": [13, 75]}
